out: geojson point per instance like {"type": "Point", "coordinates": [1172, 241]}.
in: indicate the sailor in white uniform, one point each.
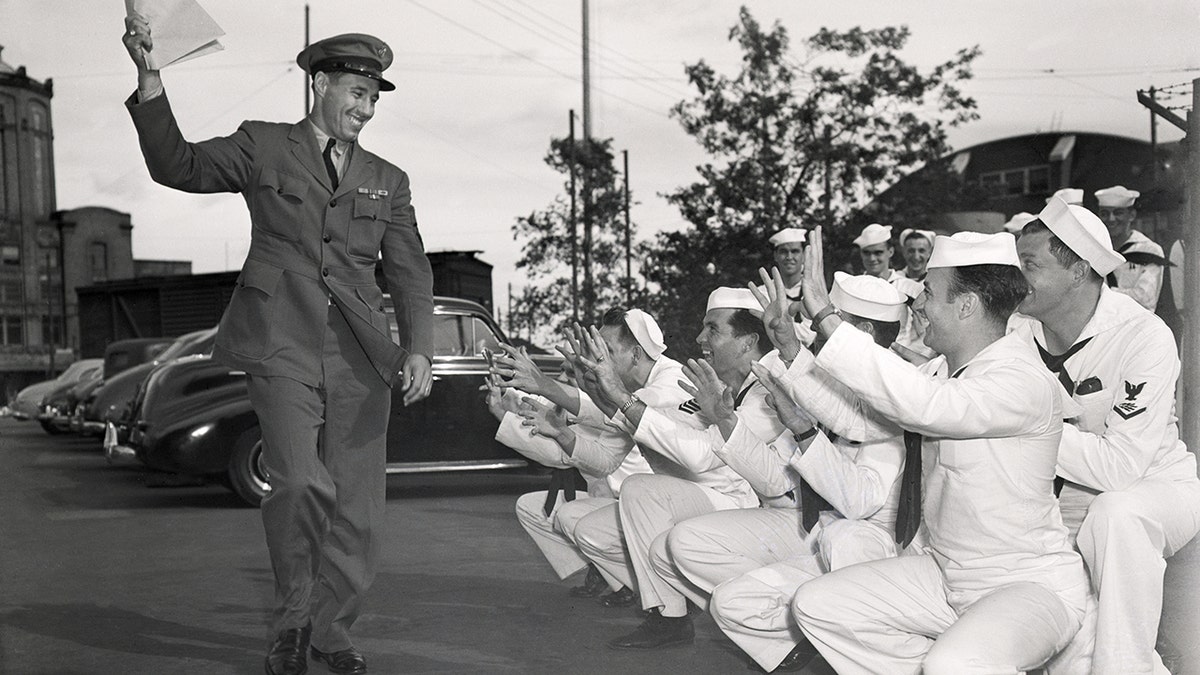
{"type": "Point", "coordinates": [1141, 275]}
{"type": "Point", "coordinates": [1129, 485]}
{"type": "Point", "coordinates": [1001, 589]}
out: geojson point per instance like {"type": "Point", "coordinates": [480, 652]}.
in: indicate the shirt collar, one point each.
{"type": "Point", "coordinates": [339, 147]}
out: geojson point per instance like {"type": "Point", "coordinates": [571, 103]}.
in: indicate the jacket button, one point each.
{"type": "Point", "coordinates": [332, 203]}
{"type": "Point", "coordinates": [324, 271]}
{"type": "Point", "coordinates": [326, 239]}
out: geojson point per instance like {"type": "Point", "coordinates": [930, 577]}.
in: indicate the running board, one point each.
{"type": "Point", "coordinates": [458, 465]}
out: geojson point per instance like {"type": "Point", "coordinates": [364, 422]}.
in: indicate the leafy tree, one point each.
{"type": "Point", "coordinates": [796, 143]}
{"type": "Point", "coordinates": [543, 309]}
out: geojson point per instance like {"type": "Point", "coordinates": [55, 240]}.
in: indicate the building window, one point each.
{"type": "Point", "coordinates": [1029, 180]}
{"type": "Point", "coordinates": [99, 254]}
{"type": "Point", "coordinates": [10, 292]}
{"type": "Point", "coordinates": [11, 330]}
{"type": "Point", "coordinates": [53, 328]}
{"type": "Point", "coordinates": [10, 256]}
{"type": "Point", "coordinates": [48, 267]}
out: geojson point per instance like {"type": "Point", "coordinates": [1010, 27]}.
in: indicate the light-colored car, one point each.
{"type": "Point", "coordinates": [28, 402]}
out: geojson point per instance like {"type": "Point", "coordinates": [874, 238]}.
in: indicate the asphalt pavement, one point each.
{"type": "Point", "coordinates": [110, 570]}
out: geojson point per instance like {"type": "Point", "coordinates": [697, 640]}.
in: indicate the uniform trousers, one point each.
{"type": "Point", "coordinates": [325, 450]}
{"type": "Point", "coordinates": [754, 608]}
{"type": "Point", "coordinates": [650, 505]}
{"type": "Point", "coordinates": [599, 537]}
{"type": "Point", "coordinates": [1125, 537]}
{"type": "Point", "coordinates": [893, 616]}
{"type": "Point", "coordinates": [549, 532]}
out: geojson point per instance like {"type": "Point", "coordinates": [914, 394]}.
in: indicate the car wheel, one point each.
{"type": "Point", "coordinates": [50, 428]}
{"type": "Point", "coordinates": [247, 475]}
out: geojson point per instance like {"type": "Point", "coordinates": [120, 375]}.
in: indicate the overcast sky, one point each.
{"type": "Point", "coordinates": [484, 84]}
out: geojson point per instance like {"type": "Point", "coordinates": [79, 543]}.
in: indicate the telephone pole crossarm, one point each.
{"type": "Point", "coordinates": [1162, 111]}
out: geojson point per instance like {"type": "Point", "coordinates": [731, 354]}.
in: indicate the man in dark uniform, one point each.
{"type": "Point", "coordinates": [306, 323]}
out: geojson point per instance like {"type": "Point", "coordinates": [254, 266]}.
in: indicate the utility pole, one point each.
{"type": "Point", "coordinates": [828, 181]}
{"type": "Point", "coordinates": [574, 222]}
{"type": "Point", "coordinates": [307, 88]}
{"type": "Point", "coordinates": [1153, 141]}
{"type": "Point", "coordinates": [1190, 354]}
{"type": "Point", "coordinates": [587, 76]}
{"type": "Point", "coordinates": [589, 295]}
{"type": "Point", "coordinates": [628, 264]}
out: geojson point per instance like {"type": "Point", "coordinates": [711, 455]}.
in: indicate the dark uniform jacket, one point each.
{"type": "Point", "coordinates": [311, 247]}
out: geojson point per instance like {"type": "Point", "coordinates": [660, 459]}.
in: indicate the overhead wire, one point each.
{"type": "Point", "coordinates": [570, 44]}
{"type": "Point", "coordinates": [568, 76]}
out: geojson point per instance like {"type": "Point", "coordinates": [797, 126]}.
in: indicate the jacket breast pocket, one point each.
{"type": "Point", "coordinates": [249, 322]}
{"type": "Point", "coordinates": [280, 203]}
{"type": "Point", "coordinates": [370, 219]}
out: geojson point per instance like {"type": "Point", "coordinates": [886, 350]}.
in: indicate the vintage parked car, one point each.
{"type": "Point", "coordinates": [28, 402]}
{"type": "Point", "coordinates": [54, 414]}
{"type": "Point", "coordinates": [192, 415]}
{"type": "Point", "coordinates": [111, 400]}
{"type": "Point", "coordinates": [59, 411]}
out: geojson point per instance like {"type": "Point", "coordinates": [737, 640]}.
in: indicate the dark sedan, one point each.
{"type": "Point", "coordinates": [192, 415]}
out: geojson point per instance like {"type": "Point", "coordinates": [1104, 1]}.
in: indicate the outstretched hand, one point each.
{"type": "Point", "coordinates": [816, 294]}
{"type": "Point", "coordinates": [778, 313]}
{"type": "Point", "coordinates": [713, 396]}
{"type": "Point", "coordinates": [792, 415]}
{"type": "Point", "coordinates": [516, 370]}
{"type": "Point", "coordinates": [541, 419]}
{"type": "Point", "coordinates": [596, 360]}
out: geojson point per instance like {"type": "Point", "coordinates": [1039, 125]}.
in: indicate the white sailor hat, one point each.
{"type": "Point", "coordinates": [1084, 233]}
{"type": "Point", "coordinates": [928, 234]}
{"type": "Point", "coordinates": [867, 296]}
{"type": "Point", "coordinates": [1019, 221]}
{"type": "Point", "coordinates": [789, 235]}
{"type": "Point", "coordinates": [646, 331]}
{"type": "Point", "coordinates": [1068, 195]}
{"type": "Point", "coordinates": [1117, 197]}
{"type": "Point", "coordinates": [974, 248]}
{"type": "Point", "coordinates": [733, 298]}
{"type": "Point", "coordinates": [874, 234]}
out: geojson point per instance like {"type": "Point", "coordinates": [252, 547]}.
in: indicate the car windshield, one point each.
{"type": "Point", "coordinates": [182, 344]}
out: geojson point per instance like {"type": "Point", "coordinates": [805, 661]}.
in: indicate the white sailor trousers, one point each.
{"type": "Point", "coordinates": [893, 616]}
{"type": "Point", "coordinates": [560, 551]}
{"type": "Point", "coordinates": [754, 608]}
{"type": "Point", "coordinates": [1125, 540]}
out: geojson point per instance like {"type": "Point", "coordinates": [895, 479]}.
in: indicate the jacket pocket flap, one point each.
{"type": "Point", "coordinates": [262, 276]}
{"type": "Point", "coordinates": [283, 183]}
{"type": "Point", "coordinates": [377, 209]}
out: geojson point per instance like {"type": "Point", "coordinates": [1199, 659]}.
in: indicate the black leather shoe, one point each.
{"type": "Point", "coordinates": [657, 631]}
{"type": "Point", "coordinates": [288, 655]}
{"type": "Point", "coordinates": [622, 598]}
{"type": "Point", "coordinates": [343, 662]}
{"type": "Point", "coordinates": [593, 584]}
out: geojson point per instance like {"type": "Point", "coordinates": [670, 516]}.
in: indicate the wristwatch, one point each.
{"type": "Point", "coordinates": [804, 436]}
{"type": "Point", "coordinates": [822, 315]}
{"type": "Point", "coordinates": [633, 398]}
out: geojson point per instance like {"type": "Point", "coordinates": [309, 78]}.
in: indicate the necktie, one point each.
{"type": "Point", "coordinates": [1058, 366]}
{"type": "Point", "coordinates": [565, 480]}
{"type": "Point", "coordinates": [908, 513]}
{"type": "Point", "coordinates": [811, 505]}
{"type": "Point", "coordinates": [329, 167]}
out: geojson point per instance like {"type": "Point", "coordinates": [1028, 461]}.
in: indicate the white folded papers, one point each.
{"type": "Point", "coordinates": [180, 30]}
